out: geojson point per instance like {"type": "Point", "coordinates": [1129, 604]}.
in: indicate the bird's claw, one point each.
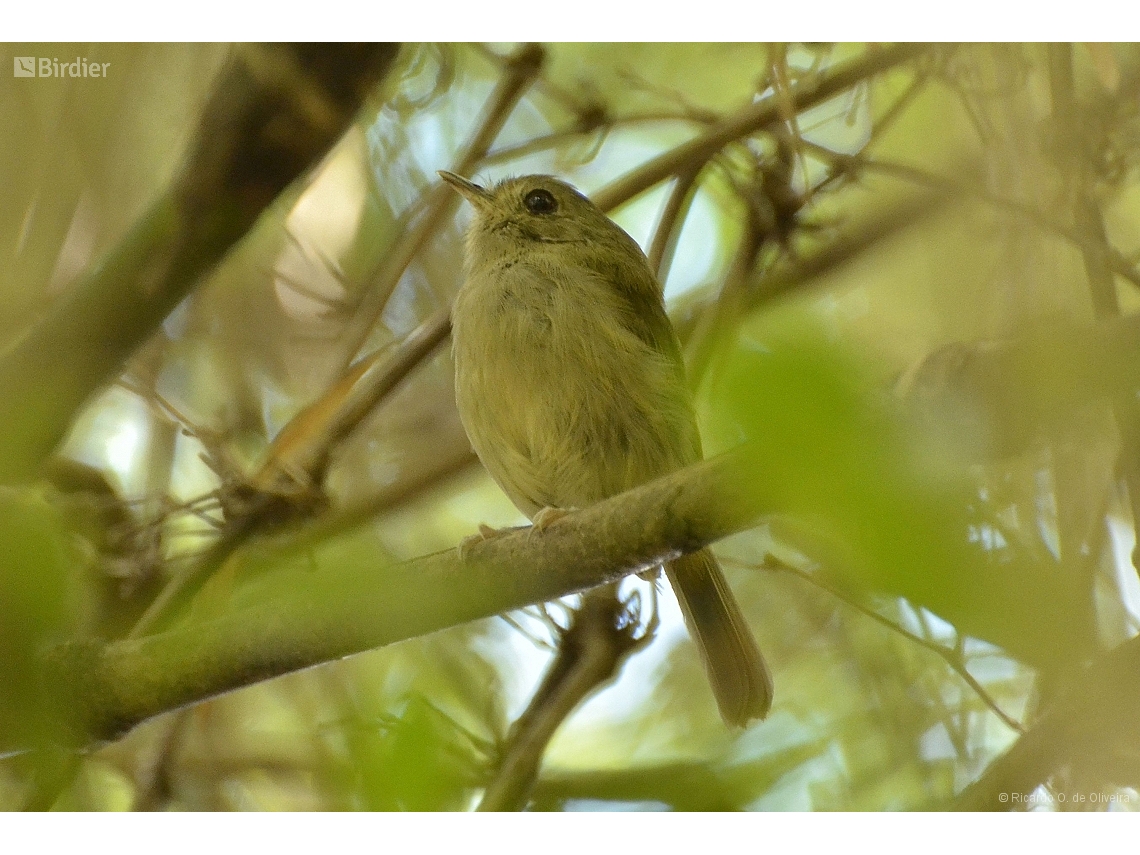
{"type": "Point", "coordinates": [485, 533]}
{"type": "Point", "coordinates": [545, 518]}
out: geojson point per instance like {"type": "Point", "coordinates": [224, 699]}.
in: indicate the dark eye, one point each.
{"type": "Point", "coordinates": [540, 202]}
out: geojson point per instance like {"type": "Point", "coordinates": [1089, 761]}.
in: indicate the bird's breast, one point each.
{"type": "Point", "coordinates": [562, 402]}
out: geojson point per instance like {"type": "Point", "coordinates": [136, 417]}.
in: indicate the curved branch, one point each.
{"type": "Point", "coordinates": [110, 687]}
{"type": "Point", "coordinates": [667, 233]}
{"type": "Point", "coordinates": [272, 113]}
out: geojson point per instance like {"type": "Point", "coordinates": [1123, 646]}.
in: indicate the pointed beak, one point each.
{"type": "Point", "coordinates": [469, 190]}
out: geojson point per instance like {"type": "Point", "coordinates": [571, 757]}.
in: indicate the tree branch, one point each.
{"type": "Point", "coordinates": [950, 656]}
{"type": "Point", "coordinates": [695, 785]}
{"type": "Point", "coordinates": [113, 686]}
{"type": "Point", "coordinates": [440, 201]}
{"type": "Point", "coordinates": [272, 113]}
{"type": "Point", "coordinates": [1098, 255]}
{"type": "Point", "coordinates": [301, 451]}
{"type": "Point", "coordinates": [666, 233]}
{"type": "Point", "coordinates": [802, 96]}
{"type": "Point", "coordinates": [122, 683]}
{"type": "Point", "coordinates": [298, 459]}
{"type": "Point", "coordinates": [1093, 723]}
{"type": "Point", "coordinates": [299, 455]}
{"type": "Point", "coordinates": [785, 277]}
{"type": "Point", "coordinates": [590, 653]}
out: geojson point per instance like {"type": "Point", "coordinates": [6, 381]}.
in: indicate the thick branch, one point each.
{"type": "Point", "coordinates": [116, 685]}
{"type": "Point", "coordinates": [273, 112]}
{"type": "Point", "coordinates": [122, 683]}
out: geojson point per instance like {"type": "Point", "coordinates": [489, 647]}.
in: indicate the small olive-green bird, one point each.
{"type": "Point", "coordinates": [570, 384]}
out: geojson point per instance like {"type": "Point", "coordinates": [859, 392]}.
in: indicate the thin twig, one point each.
{"type": "Point", "coordinates": [540, 643]}
{"type": "Point", "coordinates": [1114, 259]}
{"type": "Point", "coordinates": [733, 300]}
{"type": "Point", "coordinates": [439, 202]}
{"type": "Point", "coordinates": [153, 782]}
{"type": "Point", "coordinates": [753, 118]}
{"type": "Point", "coordinates": [1091, 720]}
{"type": "Point", "coordinates": [840, 170]}
{"type": "Point", "coordinates": [893, 112]}
{"type": "Point", "coordinates": [726, 308]}
{"type": "Point", "coordinates": [666, 233]}
{"type": "Point", "coordinates": [783, 278]}
{"type": "Point", "coordinates": [547, 87]}
{"type": "Point", "coordinates": [601, 124]}
{"type": "Point", "coordinates": [948, 656]}
{"type": "Point", "coordinates": [299, 457]}
{"type": "Point", "coordinates": [638, 83]}
{"type": "Point", "coordinates": [448, 462]}
{"type": "Point", "coordinates": [304, 447]}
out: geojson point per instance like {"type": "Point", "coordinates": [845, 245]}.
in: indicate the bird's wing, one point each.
{"type": "Point", "coordinates": [646, 318]}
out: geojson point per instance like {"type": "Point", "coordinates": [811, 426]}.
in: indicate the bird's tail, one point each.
{"type": "Point", "coordinates": [735, 667]}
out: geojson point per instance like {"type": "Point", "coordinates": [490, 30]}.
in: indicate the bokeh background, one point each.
{"type": "Point", "coordinates": [913, 294]}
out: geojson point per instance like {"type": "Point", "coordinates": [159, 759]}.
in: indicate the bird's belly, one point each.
{"type": "Point", "coordinates": [559, 414]}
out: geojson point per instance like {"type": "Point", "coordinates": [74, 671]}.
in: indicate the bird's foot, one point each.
{"type": "Point", "coordinates": [545, 518]}
{"type": "Point", "coordinates": [485, 533]}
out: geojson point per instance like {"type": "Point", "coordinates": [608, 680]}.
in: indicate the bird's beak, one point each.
{"type": "Point", "coordinates": [470, 191]}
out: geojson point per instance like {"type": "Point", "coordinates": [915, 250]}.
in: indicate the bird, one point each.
{"type": "Point", "coordinates": [570, 384]}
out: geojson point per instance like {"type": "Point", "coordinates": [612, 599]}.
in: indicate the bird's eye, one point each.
{"type": "Point", "coordinates": [540, 202]}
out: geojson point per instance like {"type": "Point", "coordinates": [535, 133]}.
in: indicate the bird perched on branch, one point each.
{"type": "Point", "coordinates": [570, 384]}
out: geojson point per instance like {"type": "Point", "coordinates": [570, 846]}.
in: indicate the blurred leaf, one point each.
{"type": "Point", "coordinates": [40, 603]}
{"type": "Point", "coordinates": [884, 510]}
{"type": "Point", "coordinates": [413, 760]}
